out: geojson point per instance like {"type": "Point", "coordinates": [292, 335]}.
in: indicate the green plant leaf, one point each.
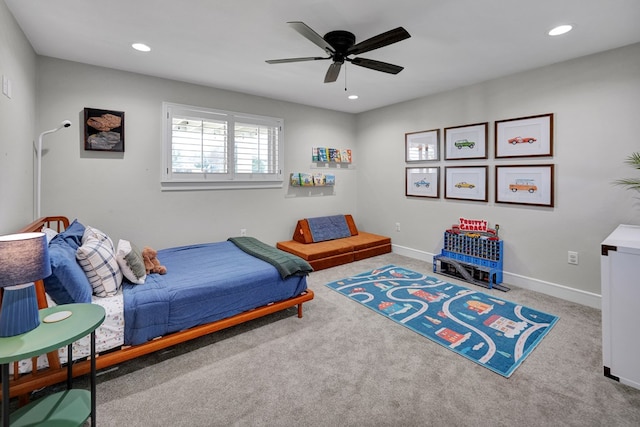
{"type": "Point", "coordinates": [631, 183]}
{"type": "Point", "coordinates": [634, 160]}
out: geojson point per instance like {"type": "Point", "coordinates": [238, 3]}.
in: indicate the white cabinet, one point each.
{"type": "Point", "coordinates": [620, 275]}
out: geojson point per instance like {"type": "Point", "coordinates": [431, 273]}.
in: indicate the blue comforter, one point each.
{"type": "Point", "coordinates": [204, 283]}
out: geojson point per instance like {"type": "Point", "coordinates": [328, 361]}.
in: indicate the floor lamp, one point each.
{"type": "Point", "coordinates": [64, 124]}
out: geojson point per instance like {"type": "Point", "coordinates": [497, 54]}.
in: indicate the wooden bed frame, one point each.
{"type": "Point", "coordinates": [22, 384]}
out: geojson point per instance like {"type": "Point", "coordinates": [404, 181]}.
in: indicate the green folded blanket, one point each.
{"type": "Point", "coordinates": [287, 264]}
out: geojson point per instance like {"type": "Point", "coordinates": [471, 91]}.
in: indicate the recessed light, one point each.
{"type": "Point", "coordinates": [353, 96]}
{"type": "Point", "coordinates": [141, 47]}
{"type": "Point", "coordinates": [560, 29]}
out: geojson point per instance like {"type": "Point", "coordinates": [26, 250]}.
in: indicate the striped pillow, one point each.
{"type": "Point", "coordinates": [97, 258]}
{"type": "Point", "coordinates": [94, 233]}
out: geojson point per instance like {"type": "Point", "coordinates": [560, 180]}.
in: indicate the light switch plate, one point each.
{"type": "Point", "coordinates": [6, 86]}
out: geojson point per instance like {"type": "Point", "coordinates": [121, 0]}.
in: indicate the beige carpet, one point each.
{"type": "Point", "coordinates": [344, 365]}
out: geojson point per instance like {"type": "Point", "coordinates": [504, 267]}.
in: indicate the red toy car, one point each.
{"type": "Point", "coordinates": [520, 140]}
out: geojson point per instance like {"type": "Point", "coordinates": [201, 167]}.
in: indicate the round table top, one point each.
{"type": "Point", "coordinates": [84, 319]}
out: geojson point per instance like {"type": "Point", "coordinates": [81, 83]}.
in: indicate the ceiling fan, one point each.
{"type": "Point", "coordinates": [339, 45]}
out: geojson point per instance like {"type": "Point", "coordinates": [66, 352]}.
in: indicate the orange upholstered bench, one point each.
{"type": "Point", "coordinates": [324, 246]}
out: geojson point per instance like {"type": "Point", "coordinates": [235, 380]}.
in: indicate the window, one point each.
{"type": "Point", "coordinates": [208, 149]}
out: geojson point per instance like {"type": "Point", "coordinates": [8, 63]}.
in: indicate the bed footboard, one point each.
{"type": "Point", "coordinates": [22, 385]}
{"type": "Point", "coordinates": [49, 376]}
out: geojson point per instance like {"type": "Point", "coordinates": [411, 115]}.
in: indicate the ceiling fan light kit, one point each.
{"type": "Point", "coordinates": [340, 45]}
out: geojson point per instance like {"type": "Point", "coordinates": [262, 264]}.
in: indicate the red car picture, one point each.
{"type": "Point", "coordinates": [520, 140]}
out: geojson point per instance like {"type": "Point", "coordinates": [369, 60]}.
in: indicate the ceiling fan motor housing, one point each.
{"type": "Point", "coordinates": [340, 40]}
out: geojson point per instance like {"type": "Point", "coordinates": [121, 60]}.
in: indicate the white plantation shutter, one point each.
{"type": "Point", "coordinates": [255, 146]}
{"type": "Point", "coordinates": [205, 148]}
{"type": "Point", "coordinates": [198, 146]}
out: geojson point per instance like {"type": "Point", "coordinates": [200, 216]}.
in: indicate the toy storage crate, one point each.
{"type": "Point", "coordinates": [476, 259]}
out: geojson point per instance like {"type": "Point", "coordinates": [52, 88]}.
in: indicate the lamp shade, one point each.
{"type": "Point", "coordinates": [24, 258]}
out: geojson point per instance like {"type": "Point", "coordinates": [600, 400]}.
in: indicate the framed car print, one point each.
{"type": "Point", "coordinates": [466, 142]}
{"type": "Point", "coordinates": [422, 182]}
{"type": "Point", "coordinates": [524, 137]}
{"type": "Point", "coordinates": [422, 146]}
{"type": "Point", "coordinates": [466, 183]}
{"type": "Point", "coordinates": [525, 184]}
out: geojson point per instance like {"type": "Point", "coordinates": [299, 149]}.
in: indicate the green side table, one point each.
{"type": "Point", "coordinates": [70, 407]}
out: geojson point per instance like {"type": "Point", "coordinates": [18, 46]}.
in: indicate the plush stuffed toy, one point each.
{"type": "Point", "coordinates": [151, 262]}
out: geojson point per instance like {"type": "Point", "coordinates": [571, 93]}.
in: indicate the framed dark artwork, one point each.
{"type": "Point", "coordinates": [466, 183]}
{"type": "Point", "coordinates": [525, 185]}
{"type": "Point", "coordinates": [466, 142]}
{"type": "Point", "coordinates": [103, 130]}
{"type": "Point", "coordinates": [422, 182]}
{"type": "Point", "coordinates": [525, 137]}
{"type": "Point", "coordinates": [422, 146]}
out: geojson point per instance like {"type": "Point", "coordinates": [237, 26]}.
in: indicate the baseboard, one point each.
{"type": "Point", "coordinates": [554, 289]}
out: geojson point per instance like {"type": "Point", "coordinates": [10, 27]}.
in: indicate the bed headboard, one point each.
{"type": "Point", "coordinates": [58, 223]}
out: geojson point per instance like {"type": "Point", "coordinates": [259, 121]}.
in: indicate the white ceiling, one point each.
{"type": "Point", "coordinates": [224, 43]}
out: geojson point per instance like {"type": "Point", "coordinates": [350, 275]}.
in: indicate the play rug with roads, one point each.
{"type": "Point", "coordinates": [489, 330]}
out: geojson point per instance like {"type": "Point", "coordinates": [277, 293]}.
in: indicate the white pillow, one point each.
{"type": "Point", "coordinates": [50, 233]}
{"type": "Point", "coordinates": [131, 263]}
{"type": "Point", "coordinates": [97, 258]}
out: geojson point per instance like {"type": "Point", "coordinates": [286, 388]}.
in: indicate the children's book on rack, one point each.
{"type": "Point", "coordinates": [323, 154]}
{"type": "Point", "coordinates": [333, 155]}
{"type": "Point", "coordinates": [302, 179]}
{"type": "Point", "coordinates": [346, 155]}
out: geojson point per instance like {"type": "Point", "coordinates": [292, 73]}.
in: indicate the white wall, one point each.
{"type": "Point", "coordinates": [595, 103]}
{"type": "Point", "coordinates": [18, 64]}
{"type": "Point", "coordinates": [120, 192]}
{"type": "Point", "coordinates": [594, 100]}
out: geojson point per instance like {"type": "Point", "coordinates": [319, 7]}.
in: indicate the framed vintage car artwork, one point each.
{"type": "Point", "coordinates": [422, 146]}
{"type": "Point", "coordinates": [466, 142]}
{"type": "Point", "coordinates": [525, 185]}
{"type": "Point", "coordinates": [466, 183]}
{"type": "Point", "coordinates": [422, 182]}
{"type": "Point", "coordinates": [524, 137]}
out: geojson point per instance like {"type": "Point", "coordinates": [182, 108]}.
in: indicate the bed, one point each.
{"type": "Point", "coordinates": [207, 287]}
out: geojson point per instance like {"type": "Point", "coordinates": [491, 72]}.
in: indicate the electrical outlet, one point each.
{"type": "Point", "coordinates": [243, 232]}
{"type": "Point", "coordinates": [397, 226]}
{"type": "Point", "coordinates": [572, 257]}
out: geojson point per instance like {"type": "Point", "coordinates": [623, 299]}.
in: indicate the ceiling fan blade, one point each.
{"type": "Point", "coordinates": [311, 35]}
{"type": "Point", "coordinates": [377, 65]}
{"type": "Point", "coordinates": [308, 58]}
{"type": "Point", "coordinates": [381, 40]}
{"type": "Point", "coordinates": [332, 72]}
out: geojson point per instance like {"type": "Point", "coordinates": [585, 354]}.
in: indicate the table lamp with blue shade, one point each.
{"type": "Point", "coordinates": [24, 258]}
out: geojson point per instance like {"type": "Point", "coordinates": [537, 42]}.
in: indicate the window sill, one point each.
{"type": "Point", "coordinates": [219, 185]}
